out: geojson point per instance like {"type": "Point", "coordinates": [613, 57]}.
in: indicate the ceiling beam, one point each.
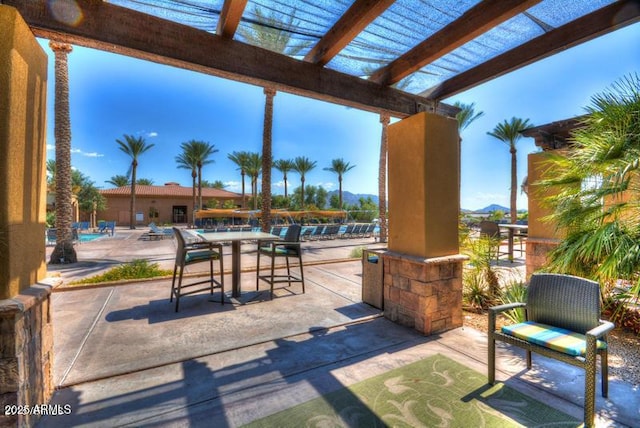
{"type": "Point", "coordinates": [351, 23]}
{"type": "Point", "coordinates": [230, 15]}
{"type": "Point", "coordinates": [474, 22]}
{"type": "Point", "coordinates": [104, 26]}
{"type": "Point", "coordinates": [588, 27]}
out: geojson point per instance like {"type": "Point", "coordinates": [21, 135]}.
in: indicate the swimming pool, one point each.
{"type": "Point", "coordinates": [86, 237]}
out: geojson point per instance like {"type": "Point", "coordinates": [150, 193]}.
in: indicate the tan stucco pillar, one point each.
{"type": "Point", "coordinates": [26, 339]}
{"type": "Point", "coordinates": [422, 267]}
{"type": "Point", "coordinates": [543, 235]}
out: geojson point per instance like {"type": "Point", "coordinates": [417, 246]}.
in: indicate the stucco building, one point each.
{"type": "Point", "coordinates": [171, 203]}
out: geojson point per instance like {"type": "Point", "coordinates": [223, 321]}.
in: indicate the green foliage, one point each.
{"type": "Point", "coordinates": [356, 253]}
{"type": "Point", "coordinates": [51, 219]}
{"type": "Point", "coordinates": [496, 215]}
{"type": "Point", "coordinates": [364, 212]}
{"type": "Point", "coordinates": [514, 292]}
{"type": "Point", "coordinates": [475, 292]}
{"type": "Point", "coordinates": [136, 269]}
{"type": "Point", "coordinates": [595, 191]}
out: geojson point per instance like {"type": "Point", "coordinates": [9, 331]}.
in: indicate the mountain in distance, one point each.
{"type": "Point", "coordinates": [351, 198]}
{"type": "Point", "coordinates": [493, 207]}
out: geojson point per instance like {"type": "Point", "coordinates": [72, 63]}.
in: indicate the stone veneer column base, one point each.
{"type": "Point", "coordinates": [537, 251]}
{"type": "Point", "coordinates": [26, 352]}
{"type": "Point", "coordinates": [425, 294]}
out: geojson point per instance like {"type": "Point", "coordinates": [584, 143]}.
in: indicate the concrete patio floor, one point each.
{"type": "Point", "coordinates": [123, 357]}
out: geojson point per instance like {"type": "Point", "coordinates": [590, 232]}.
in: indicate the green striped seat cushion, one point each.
{"type": "Point", "coordinates": [558, 339]}
{"type": "Point", "coordinates": [193, 256]}
{"type": "Point", "coordinates": [279, 251]}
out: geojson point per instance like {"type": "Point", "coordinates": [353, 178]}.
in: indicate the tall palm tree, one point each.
{"type": "Point", "coordinates": [268, 32]}
{"type": "Point", "coordinates": [201, 152]}
{"type": "Point", "coordinates": [64, 252]}
{"type": "Point", "coordinates": [241, 159]}
{"type": "Point", "coordinates": [253, 170]}
{"type": "Point", "coordinates": [382, 178]}
{"type": "Point", "coordinates": [186, 160]}
{"type": "Point", "coordinates": [509, 133]}
{"type": "Point", "coordinates": [339, 167]}
{"type": "Point", "coordinates": [467, 115]}
{"type": "Point", "coordinates": [144, 182]}
{"type": "Point", "coordinates": [118, 180]}
{"type": "Point", "coordinates": [133, 147]}
{"type": "Point", "coordinates": [284, 166]}
{"type": "Point", "coordinates": [302, 165]}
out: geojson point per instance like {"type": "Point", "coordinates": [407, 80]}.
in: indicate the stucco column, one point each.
{"type": "Point", "coordinates": [422, 267]}
{"type": "Point", "coordinates": [542, 235]}
{"type": "Point", "coordinates": [26, 339]}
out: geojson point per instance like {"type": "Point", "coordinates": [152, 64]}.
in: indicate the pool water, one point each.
{"type": "Point", "coordinates": [86, 237]}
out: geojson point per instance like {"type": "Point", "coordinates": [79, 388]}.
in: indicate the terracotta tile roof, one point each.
{"type": "Point", "coordinates": [169, 189]}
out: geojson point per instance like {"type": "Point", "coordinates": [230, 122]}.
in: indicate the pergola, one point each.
{"type": "Point", "coordinates": [397, 58]}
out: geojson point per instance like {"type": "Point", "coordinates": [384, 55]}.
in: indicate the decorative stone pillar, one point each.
{"type": "Point", "coordinates": [26, 339]}
{"type": "Point", "coordinates": [423, 267]}
{"type": "Point", "coordinates": [425, 294]}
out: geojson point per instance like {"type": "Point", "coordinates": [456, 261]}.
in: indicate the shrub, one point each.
{"type": "Point", "coordinates": [136, 269]}
{"type": "Point", "coordinates": [512, 293]}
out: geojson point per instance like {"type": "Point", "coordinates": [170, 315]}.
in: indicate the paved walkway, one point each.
{"type": "Point", "coordinates": [123, 357]}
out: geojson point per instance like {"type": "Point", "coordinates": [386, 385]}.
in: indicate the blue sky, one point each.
{"type": "Point", "coordinates": [112, 95]}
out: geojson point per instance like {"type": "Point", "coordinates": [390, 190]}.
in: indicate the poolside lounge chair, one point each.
{"type": "Point", "coordinates": [157, 233]}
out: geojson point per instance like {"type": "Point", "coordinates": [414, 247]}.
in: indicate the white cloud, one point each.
{"type": "Point", "coordinates": [87, 154]}
{"type": "Point", "coordinates": [327, 186]}
{"type": "Point", "coordinates": [51, 147]}
{"type": "Point", "coordinates": [152, 134]}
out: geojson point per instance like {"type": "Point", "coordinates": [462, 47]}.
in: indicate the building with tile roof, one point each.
{"type": "Point", "coordinates": [168, 204]}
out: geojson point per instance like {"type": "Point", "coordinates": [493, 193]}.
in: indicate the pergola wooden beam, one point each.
{"type": "Point", "coordinates": [474, 22]}
{"type": "Point", "coordinates": [230, 17]}
{"type": "Point", "coordinates": [588, 27]}
{"type": "Point", "coordinates": [111, 28]}
{"type": "Point", "coordinates": [351, 23]}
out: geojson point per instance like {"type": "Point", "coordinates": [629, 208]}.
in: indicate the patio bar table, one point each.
{"type": "Point", "coordinates": [511, 228]}
{"type": "Point", "coordinates": [236, 239]}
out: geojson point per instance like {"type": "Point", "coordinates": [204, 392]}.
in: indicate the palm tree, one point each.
{"type": "Point", "coordinates": [340, 167]}
{"type": "Point", "coordinates": [595, 191]}
{"type": "Point", "coordinates": [64, 252]}
{"type": "Point", "coordinates": [268, 32]}
{"type": "Point", "coordinates": [118, 180]}
{"type": "Point", "coordinates": [284, 166]}
{"type": "Point", "coordinates": [185, 160]}
{"type": "Point", "coordinates": [467, 115]}
{"type": "Point", "coordinates": [201, 152]}
{"type": "Point", "coordinates": [240, 159]}
{"type": "Point", "coordinates": [302, 165]}
{"type": "Point", "coordinates": [144, 182]}
{"type": "Point", "coordinates": [253, 170]}
{"type": "Point", "coordinates": [509, 133]}
{"type": "Point", "coordinates": [133, 147]}
{"type": "Point", "coordinates": [51, 175]}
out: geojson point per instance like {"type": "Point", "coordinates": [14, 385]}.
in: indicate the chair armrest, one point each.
{"type": "Point", "coordinates": [601, 330]}
{"type": "Point", "coordinates": [495, 310]}
{"type": "Point", "coordinates": [507, 306]}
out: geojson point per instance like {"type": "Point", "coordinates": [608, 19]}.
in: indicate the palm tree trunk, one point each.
{"type": "Point", "coordinates": [64, 251]}
{"type": "Point", "coordinates": [514, 185]}
{"type": "Point", "coordinates": [199, 187]}
{"type": "Point", "coordinates": [285, 186]}
{"type": "Point", "coordinates": [194, 174]}
{"type": "Point", "coordinates": [244, 199]}
{"type": "Point", "coordinates": [382, 178]}
{"type": "Point", "coordinates": [267, 160]}
{"type": "Point", "coordinates": [340, 190]}
{"type": "Point", "coordinates": [132, 205]}
{"type": "Point", "coordinates": [302, 192]}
